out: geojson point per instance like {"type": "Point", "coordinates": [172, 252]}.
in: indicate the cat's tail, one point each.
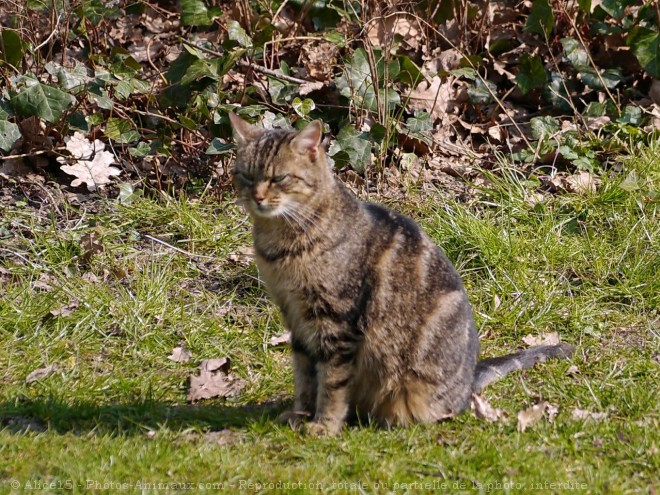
{"type": "Point", "coordinates": [492, 369]}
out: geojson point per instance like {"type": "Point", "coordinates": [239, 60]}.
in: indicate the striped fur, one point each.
{"type": "Point", "coordinates": [380, 322]}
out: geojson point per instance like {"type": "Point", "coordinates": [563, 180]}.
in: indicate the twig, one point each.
{"type": "Point", "coordinates": [33, 153]}
{"type": "Point", "coordinates": [250, 65]}
{"type": "Point", "coordinates": [179, 250]}
{"type": "Point", "coordinates": [53, 33]}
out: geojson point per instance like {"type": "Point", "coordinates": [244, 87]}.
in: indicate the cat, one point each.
{"type": "Point", "coordinates": [380, 321]}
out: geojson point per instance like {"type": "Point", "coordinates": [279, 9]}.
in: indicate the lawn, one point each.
{"type": "Point", "coordinates": [102, 291]}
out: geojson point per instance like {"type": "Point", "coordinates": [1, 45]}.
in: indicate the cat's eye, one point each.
{"type": "Point", "coordinates": [278, 178]}
{"type": "Point", "coordinates": [247, 177]}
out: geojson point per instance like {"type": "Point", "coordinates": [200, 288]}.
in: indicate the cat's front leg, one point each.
{"type": "Point", "coordinates": [333, 395]}
{"type": "Point", "coordinates": [304, 379]}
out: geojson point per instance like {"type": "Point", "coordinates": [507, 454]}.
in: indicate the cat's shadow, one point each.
{"type": "Point", "coordinates": [128, 418]}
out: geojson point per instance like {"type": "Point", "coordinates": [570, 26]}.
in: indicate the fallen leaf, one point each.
{"type": "Point", "coordinates": [583, 182]}
{"type": "Point", "coordinates": [282, 339]}
{"type": "Point", "coordinates": [573, 370]}
{"type": "Point", "coordinates": [404, 26]}
{"type": "Point", "coordinates": [91, 246]}
{"type": "Point", "coordinates": [94, 172]}
{"type": "Point", "coordinates": [222, 437]}
{"type": "Point", "coordinates": [66, 310]}
{"type": "Point", "coordinates": [43, 283]}
{"type": "Point", "coordinates": [436, 98]}
{"type": "Point", "coordinates": [82, 148]}
{"type": "Point", "coordinates": [483, 410]}
{"type": "Point", "coordinates": [222, 364]}
{"type": "Point", "coordinates": [535, 198]}
{"type": "Point", "coordinates": [551, 411]}
{"type": "Point", "coordinates": [180, 355]}
{"type": "Point", "coordinates": [40, 373]}
{"type": "Point", "coordinates": [243, 256]}
{"type": "Point", "coordinates": [214, 380]}
{"type": "Point", "coordinates": [551, 338]}
{"type": "Point", "coordinates": [529, 416]}
{"type": "Point", "coordinates": [581, 414]}
{"type": "Point", "coordinates": [309, 87]}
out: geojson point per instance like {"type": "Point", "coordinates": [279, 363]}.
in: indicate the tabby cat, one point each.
{"type": "Point", "coordinates": [380, 321]}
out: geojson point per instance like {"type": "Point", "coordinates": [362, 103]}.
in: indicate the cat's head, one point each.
{"type": "Point", "coordinates": [277, 172]}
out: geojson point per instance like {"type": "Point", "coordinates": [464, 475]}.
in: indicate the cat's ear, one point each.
{"type": "Point", "coordinates": [308, 140]}
{"type": "Point", "coordinates": [243, 132]}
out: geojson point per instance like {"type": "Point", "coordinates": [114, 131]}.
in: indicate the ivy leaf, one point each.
{"type": "Point", "coordinates": [410, 72]}
{"type": "Point", "coordinates": [236, 33]}
{"type": "Point", "coordinates": [357, 83]}
{"type": "Point", "coordinates": [575, 54]}
{"type": "Point", "coordinates": [421, 122]}
{"type": "Point", "coordinates": [544, 127]}
{"type": "Point", "coordinates": [645, 45]}
{"type": "Point", "coordinates": [12, 46]}
{"type": "Point", "coordinates": [9, 134]}
{"type": "Point", "coordinates": [479, 92]}
{"type": "Point", "coordinates": [196, 13]}
{"type": "Point", "coordinates": [280, 91]}
{"type": "Point", "coordinates": [541, 19]}
{"type": "Point", "coordinates": [217, 147]}
{"type": "Point", "coordinates": [631, 115]}
{"type": "Point", "coordinates": [69, 79]}
{"type": "Point", "coordinates": [555, 92]}
{"type": "Point", "coordinates": [610, 77]}
{"type": "Point", "coordinates": [121, 131]}
{"type": "Point", "coordinates": [44, 101]}
{"type": "Point", "coordinates": [303, 107]}
{"type": "Point", "coordinates": [354, 145]}
{"type": "Point", "coordinates": [531, 73]}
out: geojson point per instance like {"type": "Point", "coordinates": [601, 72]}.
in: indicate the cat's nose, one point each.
{"type": "Point", "coordinates": [259, 199]}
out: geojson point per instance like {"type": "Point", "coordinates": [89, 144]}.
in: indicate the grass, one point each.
{"type": "Point", "coordinates": [114, 410]}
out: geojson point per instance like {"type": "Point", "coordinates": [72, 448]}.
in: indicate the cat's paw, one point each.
{"type": "Point", "coordinates": [294, 419]}
{"type": "Point", "coordinates": [323, 428]}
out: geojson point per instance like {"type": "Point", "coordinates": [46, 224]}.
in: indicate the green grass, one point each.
{"type": "Point", "coordinates": [114, 411]}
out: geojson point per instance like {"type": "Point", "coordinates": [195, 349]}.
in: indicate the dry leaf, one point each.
{"type": "Point", "coordinates": [551, 338]}
{"type": "Point", "coordinates": [40, 373]}
{"type": "Point", "coordinates": [82, 148]}
{"type": "Point", "coordinates": [551, 411]}
{"type": "Point", "coordinates": [222, 364]}
{"type": "Point", "coordinates": [214, 380]}
{"type": "Point", "coordinates": [581, 414]}
{"type": "Point", "coordinates": [65, 311]}
{"type": "Point", "coordinates": [483, 410]}
{"type": "Point", "coordinates": [222, 437]}
{"type": "Point", "coordinates": [382, 31]}
{"type": "Point", "coordinates": [94, 172]}
{"type": "Point", "coordinates": [527, 417]}
{"type": "Point", "coordinates": [573, 370]}
{"type": "Point", "coordinates": [436, 98]}
{"type": "Point", "coordinates": [43, 283]}
{"type": "Point", "coordinates": [243, 256]}
{"type": "Point", "coordinates": [180, 355]}
{"type": "Point", "coordinates": [282, 339]}
{"type": "Point", "coordinates": [91, 246]}
{"type": "Point", "coordinates": [584, 182]}
{"type": "Point", "coordinates": [309, 87]}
